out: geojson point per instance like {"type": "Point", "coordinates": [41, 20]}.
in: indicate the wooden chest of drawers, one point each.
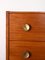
{"type": "Point", "coordinates": [25, 36]}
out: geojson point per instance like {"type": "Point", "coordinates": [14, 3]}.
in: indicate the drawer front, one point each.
{"type": "Point", "coordinates": [17, 22]}
{"type": "Point", "coordinates": [36, 49]}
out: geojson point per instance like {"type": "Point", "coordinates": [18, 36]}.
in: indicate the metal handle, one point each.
{"type": "Point", "coordinates": [26, 27]}
{"type": "Point", "coordinates": [26, 54]}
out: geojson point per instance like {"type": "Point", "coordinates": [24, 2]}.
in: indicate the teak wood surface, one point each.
{"type": "Point", "coordinates": [18, 41]}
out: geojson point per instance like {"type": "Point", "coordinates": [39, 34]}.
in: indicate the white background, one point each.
{"type": "Point", "coordinates": [15, 5]}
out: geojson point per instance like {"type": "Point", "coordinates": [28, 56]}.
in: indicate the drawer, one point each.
{"type": "Point", "coordinates": [18, 50]}
{"type": "Point", "coordinates": [35, 21]}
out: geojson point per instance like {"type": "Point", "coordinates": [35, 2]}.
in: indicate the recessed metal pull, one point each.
{"type": "Point", "coordinates": [26, 27]}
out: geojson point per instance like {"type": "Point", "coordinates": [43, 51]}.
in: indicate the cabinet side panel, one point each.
{"type": "Point", "coordinates": [7, 35]}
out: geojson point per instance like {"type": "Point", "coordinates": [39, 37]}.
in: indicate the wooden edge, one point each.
{"type": "Point", "coordinates": [26, 12]}
{"type": "Point", "coordinates": [7, 35]}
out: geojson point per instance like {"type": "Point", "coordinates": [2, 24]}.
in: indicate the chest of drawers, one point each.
{"type": "Point", "coordinates": [25, 36]}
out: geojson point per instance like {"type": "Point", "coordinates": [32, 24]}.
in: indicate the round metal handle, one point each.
{"type": "Point", "coordinates": [26, 54]}
{"type": "Point", "coordinates": [26, 27]}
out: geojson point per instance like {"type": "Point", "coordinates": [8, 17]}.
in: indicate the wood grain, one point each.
{"type": "Point", "coordinates": [17, 48]}
{"type": "Point", "coordinates": [18, 41]}
{"type": "Point", "coordinates": [37, 32]}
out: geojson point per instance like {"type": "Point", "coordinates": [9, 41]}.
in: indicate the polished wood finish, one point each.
{"type": "Point", "coordinates": [17, 48]}
{"type": "Point", "coordinates": [18, 41]}
{"type": "Point", "coordinates": [37, 22]}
